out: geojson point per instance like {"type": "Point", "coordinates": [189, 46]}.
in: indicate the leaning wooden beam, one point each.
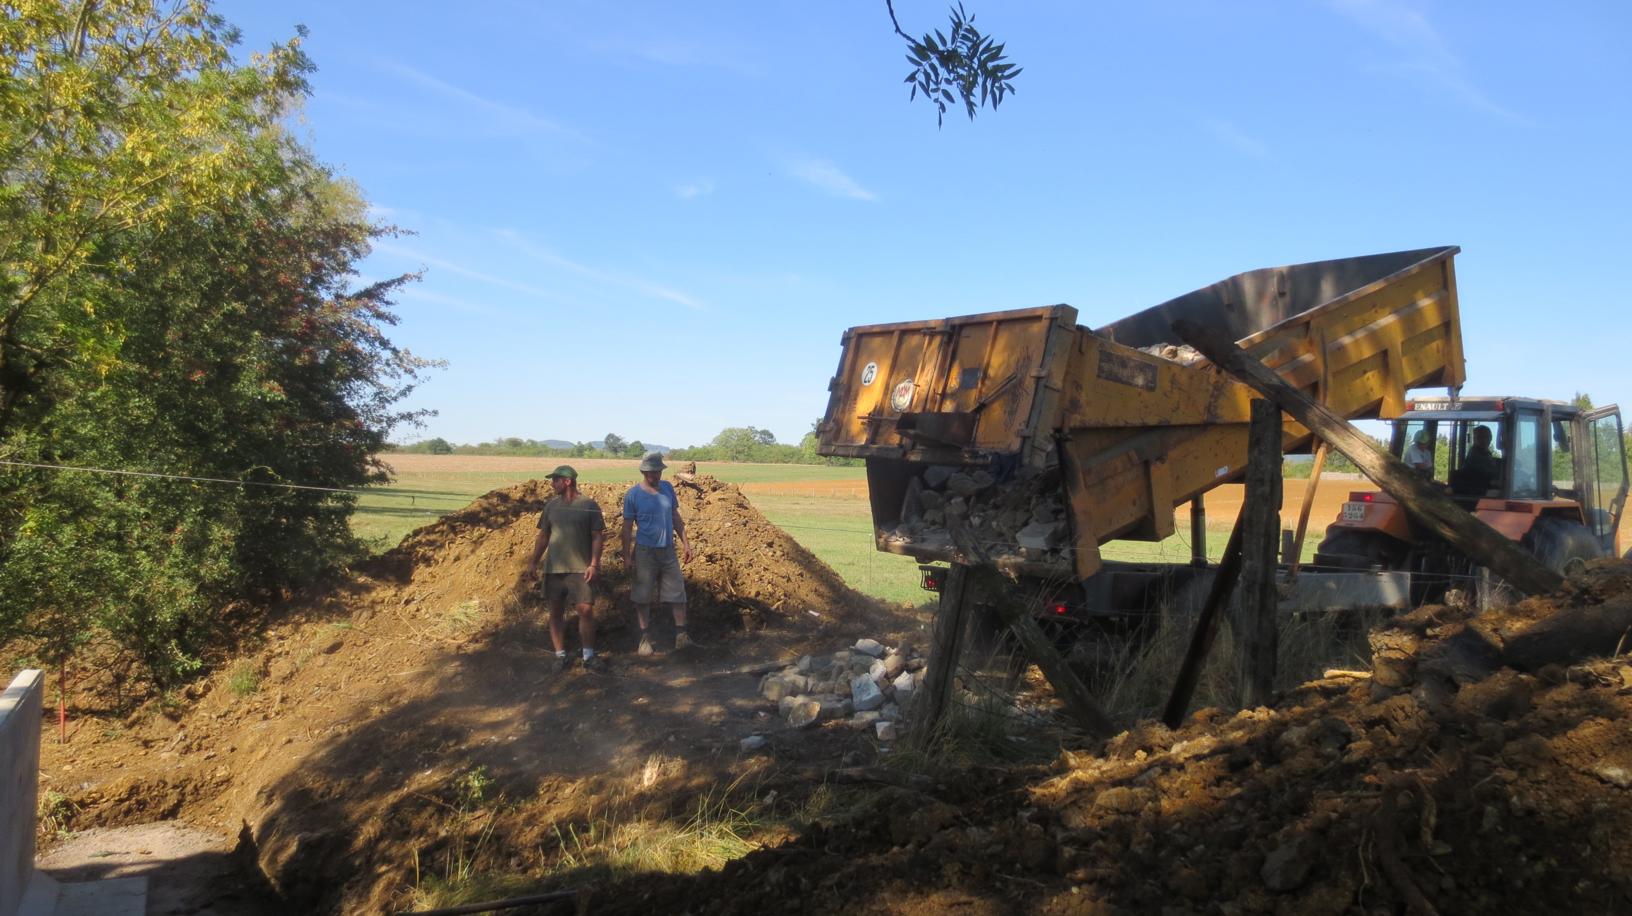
{"type": "Point", "coordinates": [1079, 701]}
{"type": "Point", "coordinates": [1475, 539]}
{"type": "Point", "coordinates": [1201, 639]}
{"type": "Point", "coordinates": [1257, 635]}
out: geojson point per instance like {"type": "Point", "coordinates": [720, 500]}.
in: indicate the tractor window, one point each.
{"type": "Point", "coordinates": [1563, 460]}
{"type": "Point", "coordinates": [1420, 451]}
{"type": "Point", "coordinates": [1525, 455]}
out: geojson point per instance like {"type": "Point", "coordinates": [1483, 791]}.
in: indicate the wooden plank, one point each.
{"type": "Point", "coordinates": [1201, 640]}
{"type": "Point", "coordinates": [1255, 624]}
{"type": "Point", "coordinates": [945, 651]}
{"type": "Point", "coordinates": [1459, 527]}
{"type": "Point", "coordinates": [1303, 513]}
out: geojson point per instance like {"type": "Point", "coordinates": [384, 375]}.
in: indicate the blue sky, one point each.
{"type": "Point", "coordinates": [656, 219]}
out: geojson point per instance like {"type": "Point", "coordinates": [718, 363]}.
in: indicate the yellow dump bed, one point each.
{"type": "Point", "coordinates": [1049, 439]}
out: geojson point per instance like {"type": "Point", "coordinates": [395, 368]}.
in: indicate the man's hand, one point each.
{"type": "Point", "coordinates": [629, 561]}
{"type": "Point", "coordinates": [590, 571]}
{"type": "Point", "coordinates": [685, 553]}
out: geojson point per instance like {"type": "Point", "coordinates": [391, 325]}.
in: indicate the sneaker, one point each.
{"type": "Point", "coordinates": [645, 645]}
{"type": "Point", "coordinates": [595, 663]}
{"type": "Point", "coordinates": [682, 641]}
{"type": "Point", "coordinates": [563, 663]}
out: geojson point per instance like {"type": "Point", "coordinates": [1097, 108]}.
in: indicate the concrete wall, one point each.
{"type": "Point", "coordinates": [19, 784]}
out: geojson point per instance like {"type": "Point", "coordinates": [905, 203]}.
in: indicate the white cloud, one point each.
{"type": "Point", "coordinates": [415, 293]}
{"type": "Point", "coordinates": [500, 117]}
{"type": "Point", "coordinates": [624, 281]}
{"type": "Point", "coordinates": [1236, 138]}
{"type": "Point", "coordinates": [1425, 53]}
{"type": "Point", "coordinates": [459, 270]}
{"type": "Point", "coordinates": [820, 173]}
{"type": "Point", "coordinates": [694, 189]}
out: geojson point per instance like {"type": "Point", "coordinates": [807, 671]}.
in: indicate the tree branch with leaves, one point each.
{"type": "Point", "coordinates": [960, 65]}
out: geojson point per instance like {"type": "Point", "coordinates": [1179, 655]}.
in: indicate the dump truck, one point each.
{"type": "Point", "coordinates": [1043, 439]}
{"type": "Point", "coordinates": [1548, 475]}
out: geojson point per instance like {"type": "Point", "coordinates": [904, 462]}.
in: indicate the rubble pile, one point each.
{"type": "Point", "coordinates": [1183, 354]}
{"type": "Point", "coordinates": [866, 687]}
{"type": "Point", "coordinates": [1020, 518]}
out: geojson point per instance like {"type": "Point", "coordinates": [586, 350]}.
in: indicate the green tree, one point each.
{"type": "Point", "coordinates": [439, 446]}
{"type": "Point", "coordinates": [635, 449]}
{"type": "Point", "coordinates": [612, 443]}
{"type": "Point", "coordinates": [176, 299]}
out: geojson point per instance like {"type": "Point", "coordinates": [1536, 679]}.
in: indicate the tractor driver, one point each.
{"type": "Point", "coordinates": [1481, 469]}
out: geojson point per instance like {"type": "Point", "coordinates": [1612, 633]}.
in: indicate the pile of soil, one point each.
{"type": "Point", "coordinates": [419, 698]}
{"type": "Point", "coordinates": [1489, 770]}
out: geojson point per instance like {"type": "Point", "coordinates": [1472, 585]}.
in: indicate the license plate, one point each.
{"type": "Point", "coordinates": [1354, 512]}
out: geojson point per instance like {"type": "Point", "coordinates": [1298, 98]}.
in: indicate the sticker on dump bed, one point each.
{"type": "Point", "coordinates": [901, 397]}
{"type": "Point", "coordinates": [868, 373]}
{"type": "Point", "coordinates": [1124, 370]}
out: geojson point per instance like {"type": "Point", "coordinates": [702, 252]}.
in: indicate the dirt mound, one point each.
{"type": "Point", "coordinates": [746, 570]}
{"type": "Point", "coordinates": [343, 749]}
{"type": "Point", "coordinates": [1454, 783]}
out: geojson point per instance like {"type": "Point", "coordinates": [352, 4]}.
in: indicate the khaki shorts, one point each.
{"type": "Point", "coordinates": [657, 570]}
{"type": "Point", "coordinates": [568, 588]}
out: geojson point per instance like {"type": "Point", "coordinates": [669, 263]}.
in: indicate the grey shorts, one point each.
{"type": "Point", "coordinates": [657, 571]}
{"type": "Point", "coordinates": [568, 588]}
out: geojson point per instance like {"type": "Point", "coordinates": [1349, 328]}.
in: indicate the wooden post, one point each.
{"type": "Point", "coordinates": [1201, 640]}
{"type": "Point", "coordinates": [945, 651]}
{"type": "Point", "coordinates": [1079, 702]}
{"type": "Point", "coordinates": [1459, 527]}
{"type": "Point", "coordinates": [1303, 513]}
{"type": "Point", "coordinates": [1256, 634]}
{"type": "Point", "coordinates": [1198, 532]}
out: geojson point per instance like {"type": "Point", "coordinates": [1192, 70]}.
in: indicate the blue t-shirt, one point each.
{"type": "Point", "coordinates": [653, 514]}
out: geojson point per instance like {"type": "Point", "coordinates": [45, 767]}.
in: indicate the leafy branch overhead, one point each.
{"type": "Point", "coordinates": [961, 61]}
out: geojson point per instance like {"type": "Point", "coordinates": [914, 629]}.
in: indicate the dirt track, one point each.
{"type": "Point", "coordinates": [375, 699]}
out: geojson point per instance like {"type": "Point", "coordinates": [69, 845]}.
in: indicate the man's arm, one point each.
{"type": "Point", "coordinates": [627, 540]}
{"type": "Point", "coordinates": [541, 542]}
{"type": "Point", "coordinates": [596, 542]}
{"type": "Point", "coordinates": [680, 535]}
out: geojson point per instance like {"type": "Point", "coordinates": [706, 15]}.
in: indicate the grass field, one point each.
{"type": "Point", "coordinates": [823, 508]}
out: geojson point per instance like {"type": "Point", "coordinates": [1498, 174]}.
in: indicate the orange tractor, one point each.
{"type": "Point", "coordinates": [1549, 475]}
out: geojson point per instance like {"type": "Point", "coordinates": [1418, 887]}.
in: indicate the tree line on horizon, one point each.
{"type": "Point", "coordinates": [748, 444]}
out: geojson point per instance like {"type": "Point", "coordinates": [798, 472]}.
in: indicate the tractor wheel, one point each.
{"type": "Point", "coordinates": [1564, 546]}
{"type": "Point", "coordinates": [1360, 550]}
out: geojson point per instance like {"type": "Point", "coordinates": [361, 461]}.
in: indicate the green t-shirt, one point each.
{"type": "Point", "coordinates": [572, 528]}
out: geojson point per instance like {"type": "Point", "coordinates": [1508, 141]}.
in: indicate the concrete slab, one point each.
{"type": "Point", "coordinates": [113, 897]}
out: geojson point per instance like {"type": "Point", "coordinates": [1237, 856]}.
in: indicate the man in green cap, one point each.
{"type": "Point", "coordinates": [571, 532]}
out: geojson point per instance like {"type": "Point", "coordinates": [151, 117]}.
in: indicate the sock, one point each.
{"type": "Point", "coordinates": [680, 628]}
{"type": "Point", "coordinates": [561, 653]}
{"type": "Point", "coordinates": [588, 653]}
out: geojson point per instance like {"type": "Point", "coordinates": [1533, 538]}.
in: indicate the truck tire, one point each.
{"type": "Point", "coordinates": [1561, 544]}
{"type": "Point", "coordinates": [1360, 550]}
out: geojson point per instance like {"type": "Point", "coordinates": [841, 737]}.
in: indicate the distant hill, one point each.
{"type": "Point", "coordinates": [562, 443]}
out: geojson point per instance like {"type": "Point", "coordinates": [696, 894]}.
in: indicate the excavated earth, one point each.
{"type": "Point", "coordinates": [1484, 766]}
{"type": "Point", "coordinates": [370, 705]}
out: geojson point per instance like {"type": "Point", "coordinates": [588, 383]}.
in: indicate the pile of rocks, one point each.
{"type": "Point", "coordinates": [1020, 518]}
{"type": "Point", "coordinates": [1183, 354]}
{"type": "Point", "coordinates": [866, 687]}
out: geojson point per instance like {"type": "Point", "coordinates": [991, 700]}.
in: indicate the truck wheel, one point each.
{"type": "Point", "coordinates": [1564, 546]}
{"type": "Point", "coordinates": [1360, 550]}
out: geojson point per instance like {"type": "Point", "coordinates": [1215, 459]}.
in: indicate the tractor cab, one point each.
{"type": "Point", "coordinates": [1546, 474]}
